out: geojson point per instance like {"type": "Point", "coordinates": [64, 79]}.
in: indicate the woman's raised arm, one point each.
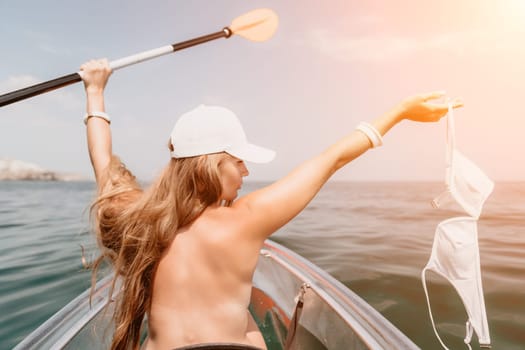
{"type": "Point", "coordinates": [95, 75]}
{"type": "Point", "coordinates": [273, 206]}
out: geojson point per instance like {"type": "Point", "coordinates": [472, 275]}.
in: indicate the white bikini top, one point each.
{"type": "Point", "coordinates": [455, 251]}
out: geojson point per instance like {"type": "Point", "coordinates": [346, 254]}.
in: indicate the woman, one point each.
{"type": "Point", "coordinates": [185, 249]}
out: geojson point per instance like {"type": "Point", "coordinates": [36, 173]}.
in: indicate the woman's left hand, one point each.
{"type": "Point", "coordinates": [422, 108]}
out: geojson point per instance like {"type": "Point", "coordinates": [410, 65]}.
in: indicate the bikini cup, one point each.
{"type": "Point", "coordinates": [467, 185]}
{"type": "Point", "coordinates": [455, 257]}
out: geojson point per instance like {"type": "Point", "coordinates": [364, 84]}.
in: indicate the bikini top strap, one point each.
{"type": "Point", "coordinates": [423, 280]}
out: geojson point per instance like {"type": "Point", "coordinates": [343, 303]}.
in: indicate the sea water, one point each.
{"type": "Point", "coordinates": [373, 237]}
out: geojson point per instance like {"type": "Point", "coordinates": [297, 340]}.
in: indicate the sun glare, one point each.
{"type": "Point", "coordinates": [516, 10]}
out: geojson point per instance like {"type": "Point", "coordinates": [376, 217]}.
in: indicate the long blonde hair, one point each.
{"type": "Point", "coordinates": [134, 227]}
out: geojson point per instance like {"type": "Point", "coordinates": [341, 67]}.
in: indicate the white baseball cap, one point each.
{"type": "Point", "coordinates": [214, 129]}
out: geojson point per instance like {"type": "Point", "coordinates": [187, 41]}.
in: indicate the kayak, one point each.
{"type": "Point", "coordinates": [295, 303]}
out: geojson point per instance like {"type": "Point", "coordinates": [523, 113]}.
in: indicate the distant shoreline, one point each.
{"type": "Point", "coordinates": [17, 170]}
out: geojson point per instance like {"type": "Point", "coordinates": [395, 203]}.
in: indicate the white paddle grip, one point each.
{"type": "Point", "coordinates": [140, 57]}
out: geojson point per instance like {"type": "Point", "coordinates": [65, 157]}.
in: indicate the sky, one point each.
{"type": "Point", "coordinates": [330, 65]}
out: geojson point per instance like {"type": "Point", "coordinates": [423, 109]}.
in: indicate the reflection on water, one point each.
{"type": "Point", "coordinates": [374, 237]}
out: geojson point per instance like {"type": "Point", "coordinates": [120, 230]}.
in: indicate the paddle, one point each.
{"type": "Point", "coordinates": [256, 25]}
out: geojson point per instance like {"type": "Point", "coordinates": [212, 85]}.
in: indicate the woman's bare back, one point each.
{"type": "Point", "coordinates": [202, 287]}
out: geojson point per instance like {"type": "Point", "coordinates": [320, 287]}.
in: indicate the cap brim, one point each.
{"type": "Point", "coordinates": [253, 154]}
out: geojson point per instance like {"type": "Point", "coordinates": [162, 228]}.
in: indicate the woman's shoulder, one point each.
{"type": "Point", "coordinates": [230, 215]}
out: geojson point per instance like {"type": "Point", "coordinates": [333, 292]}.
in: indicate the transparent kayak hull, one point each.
{"type": "Point", "coordinates": [332, 316]}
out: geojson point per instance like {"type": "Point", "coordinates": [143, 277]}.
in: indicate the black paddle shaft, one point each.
{"type": "Point", "coordinates": [38, 89]}
{"type": "Point", "coordinates": [65, 80]}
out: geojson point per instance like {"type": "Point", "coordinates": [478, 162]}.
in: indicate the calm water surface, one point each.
{"type": "Point", "coordinates": [374, 237]}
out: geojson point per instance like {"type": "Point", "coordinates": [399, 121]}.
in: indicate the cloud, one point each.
{"type": "Point", "coordinates": [380, 47]}
{"type": "Point", "coordinates": [387, 47]}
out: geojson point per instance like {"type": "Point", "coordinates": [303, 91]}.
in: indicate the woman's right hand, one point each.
{"type": "Point", "coordinates": [95, 74]}
{"type": "Point", "coordinates": [422, 108]}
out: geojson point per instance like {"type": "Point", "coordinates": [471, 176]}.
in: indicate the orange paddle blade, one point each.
{"type": "Point", "coordinates": [256, 25]}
